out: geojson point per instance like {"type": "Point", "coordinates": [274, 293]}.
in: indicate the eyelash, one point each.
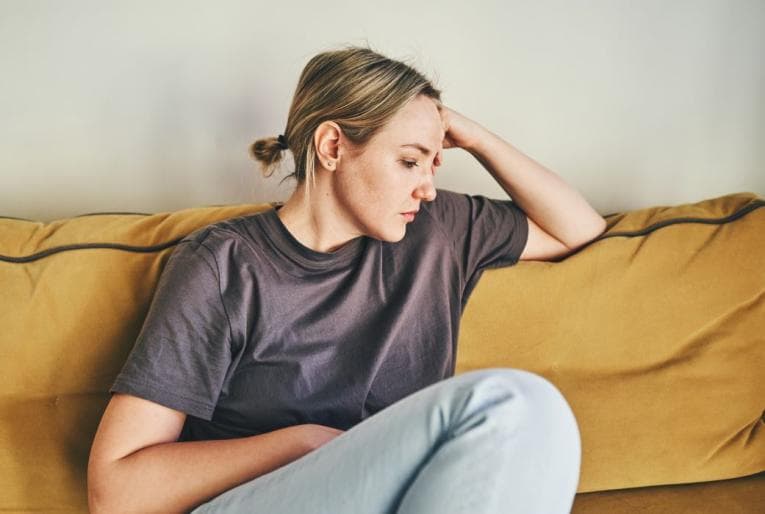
{"type": "Point", "coordinates": [407, 164]}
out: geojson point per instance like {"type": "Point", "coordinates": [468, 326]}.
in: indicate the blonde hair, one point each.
{"type": "Point", "coordinates": [355, 87]}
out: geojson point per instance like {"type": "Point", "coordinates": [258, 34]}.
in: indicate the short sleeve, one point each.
{"type": "Point", "coordinates": [485, 233]}
{"type": "Point", "coordinates": [182, 353]}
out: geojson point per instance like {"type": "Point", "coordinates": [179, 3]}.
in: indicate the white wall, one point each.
{"type": "Point", "coordinates": [148, 106]}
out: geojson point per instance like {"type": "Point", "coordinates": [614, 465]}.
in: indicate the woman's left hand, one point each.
{"type": "Point", "coordinates": [461, 132]}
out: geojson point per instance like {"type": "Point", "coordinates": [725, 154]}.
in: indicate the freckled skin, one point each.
{"type": "Point", "coordinates": [375, 187]}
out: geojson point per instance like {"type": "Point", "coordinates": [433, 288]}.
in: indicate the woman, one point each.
{"type": "Point", "coordinates": [302, 359]}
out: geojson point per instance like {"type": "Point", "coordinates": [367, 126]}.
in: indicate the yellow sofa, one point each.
{"type": "Point", "coordinates": [654, 332]}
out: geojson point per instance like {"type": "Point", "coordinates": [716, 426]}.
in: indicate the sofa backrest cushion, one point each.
{"type": "Point", "coordinates": [654, 332]}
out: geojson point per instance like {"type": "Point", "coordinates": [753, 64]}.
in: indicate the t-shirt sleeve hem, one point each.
{"type": "Point", "coordinates": [522, 226]}
{"type": "Point", "coordinates": [160, 395]}
{"type": "Point", "coordinates": [518, 240]}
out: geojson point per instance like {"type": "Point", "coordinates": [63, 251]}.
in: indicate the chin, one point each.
{"type": "Point", "coordinates": [392, 236]}
{"type": "Point", "coordinates": [397, 239]}
{"type": "Point", "coordinates": [391, 232]}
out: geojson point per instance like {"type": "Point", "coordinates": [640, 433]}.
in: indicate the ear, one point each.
{"type": "Point", "coordinates": [326, 139]}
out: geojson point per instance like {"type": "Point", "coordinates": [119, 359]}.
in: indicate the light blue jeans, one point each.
{"type": "Point", "coordinates": [496, 440]}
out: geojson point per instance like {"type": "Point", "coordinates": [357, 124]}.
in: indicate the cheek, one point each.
{"type": "Point", "coordinates": [377, 191]}
{"type": "Point", "coordinates": [366, 198]}
{"type": "Point", "coordinates": [383, 185]}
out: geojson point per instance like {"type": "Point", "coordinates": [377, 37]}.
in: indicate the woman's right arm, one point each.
{"type": "Point", "coordinates": [137, 465]}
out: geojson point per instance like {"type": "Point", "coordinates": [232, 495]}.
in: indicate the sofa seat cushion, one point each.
{"type": "Point", "coordinates": [745, 495]}
{"type": "Point", "coordinates": [655, 334]}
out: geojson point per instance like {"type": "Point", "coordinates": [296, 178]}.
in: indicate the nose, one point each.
{"type": "Point", "coordinates": [426, 191]}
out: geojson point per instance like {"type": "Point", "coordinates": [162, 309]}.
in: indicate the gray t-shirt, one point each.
{"type": "Point", "coordinates": [250, 331]}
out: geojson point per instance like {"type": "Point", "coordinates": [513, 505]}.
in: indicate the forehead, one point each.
{"type": "Point", "coordinates": [418, 121]}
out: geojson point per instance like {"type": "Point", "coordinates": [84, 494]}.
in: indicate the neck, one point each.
{"type": "Point", "coordinates": [317, 223]}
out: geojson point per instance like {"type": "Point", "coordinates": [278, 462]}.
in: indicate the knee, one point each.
{"type": "Point", "coordinates": [524, 397]}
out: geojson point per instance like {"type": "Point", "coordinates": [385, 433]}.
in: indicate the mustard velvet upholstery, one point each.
{"type": "Point", "coordinates": [653, 332]}
{"type": "Point", "coordinates": [74, 296]}
{"type": "Point", "coordinates": [736, 496]}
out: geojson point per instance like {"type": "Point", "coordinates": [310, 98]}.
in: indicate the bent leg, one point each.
{"type": "Point", "coordinates": [487, 441]}
{"type": "Point", "coordinates": [522, 455]}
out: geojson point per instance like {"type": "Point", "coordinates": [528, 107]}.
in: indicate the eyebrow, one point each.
{"type": "Point", "coordinates": [419, 147]}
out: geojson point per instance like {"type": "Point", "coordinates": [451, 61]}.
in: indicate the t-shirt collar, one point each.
{"type": "Point", "coordinates": [306, 257]}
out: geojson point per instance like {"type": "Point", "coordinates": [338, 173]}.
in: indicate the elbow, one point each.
{"type": "Point", "coordinates": [97, 503]}
{"type": "Point", "coordinates": [98, 485]}
{"type": "Point", "coordinates": [600, 228]}
{"type": "Point", "coordinates": [602, 225]}
{"type": "Point", "coordinates": [100, 501]}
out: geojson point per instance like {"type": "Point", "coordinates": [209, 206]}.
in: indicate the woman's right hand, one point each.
{"type": "Point", "coordinates": [315, 435]}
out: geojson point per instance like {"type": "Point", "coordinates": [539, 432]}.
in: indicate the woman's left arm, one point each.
{"type": "Point", "coordinates": [545, 198]}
